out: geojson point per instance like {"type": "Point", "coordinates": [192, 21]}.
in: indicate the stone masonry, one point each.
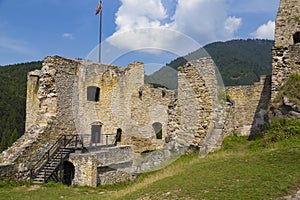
{"type": "Point", "coordinates": [247, 109]}
{"type": "Point", "coordinates": [127, 127]}
{"type": "Point", "coordinates": [97, 102]}
{"type": "Point", "coordinates": [286, 52]}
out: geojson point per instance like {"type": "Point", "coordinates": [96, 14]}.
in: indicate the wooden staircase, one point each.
{"type": "Point", "coordinates": [50, 166]}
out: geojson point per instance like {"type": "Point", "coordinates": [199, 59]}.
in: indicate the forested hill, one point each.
{"type": "Point", "coordinates": [12, 101]}
{"type": "Point", "coordinates": [240, 62]}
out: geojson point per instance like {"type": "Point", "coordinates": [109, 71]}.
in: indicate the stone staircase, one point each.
{"type": "Point", "coordinates": [49, 167]}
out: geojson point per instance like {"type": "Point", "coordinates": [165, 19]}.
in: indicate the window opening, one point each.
{"type": "Point", "coordinates": [158, 130]}
{"type": "Point", "coordinates": [93, 93]}
{"type": "Point", "coordinates": [296, 38]}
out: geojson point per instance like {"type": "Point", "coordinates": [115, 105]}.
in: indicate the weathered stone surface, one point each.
{"type": "Point", "coordinates": [85, 169]}
{"type": "Point", "coordinates": [286, 52]}
{"type": "Point", "coordinates": [287, 22]}
{"type": "Point", "coordinates": [247, 113]}
{"type": "Point", "coordinates": [58, 103]}
{"type": "Point", "coordinates": [198, 113]}
{"type": "Point", "coordinates": [286, 61]}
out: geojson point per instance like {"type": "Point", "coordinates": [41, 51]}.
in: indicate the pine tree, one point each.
{"type": "Point", "coordinates": [14, 136]}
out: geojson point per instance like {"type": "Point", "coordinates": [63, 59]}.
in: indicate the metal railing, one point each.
{"type": "Point", "coordinates": [65, 141]}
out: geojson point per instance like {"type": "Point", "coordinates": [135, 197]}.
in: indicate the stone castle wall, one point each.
{"type": "Point", "coordinates": [192, 116]}
{"type": "Point", "coordinates": [149, 106]}
{"type": "Point", "coordinates": [285, 61]}
{"type": "Point", "coordinates": [113, 108]}
{"type": "Point", "coordinates": [287, 22]}
{"type": "Point", "coordinates": [248, 108]}
{"type": "Point", "coordinates": [49, 117]}
{"type": "Point", "coordinates": [57, 104]}
{"type": "Point", "coordinates": [125, 103]}
{"type": "Point", "coordinates": [286, 52]}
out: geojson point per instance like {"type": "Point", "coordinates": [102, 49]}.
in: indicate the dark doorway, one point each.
{"type": "Point", "coordinates": [296, 37]}
{"type": "Point", "coordinates": [93, 93]}
{"type": "Point", "coordinates": [157, 129]}
{"type": "Point", "coordinates": [119, 135]}
{"type": "Point", "coordinates": [96, 134]}
{"type": "Point", "coordinates": [68, 173]}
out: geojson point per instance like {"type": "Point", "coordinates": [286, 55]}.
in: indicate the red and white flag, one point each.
{"type": "Point", "coordinates": [99, 8]}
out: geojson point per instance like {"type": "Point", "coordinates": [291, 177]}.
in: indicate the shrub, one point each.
{"type": "Point", "coordinates": [281, 129]}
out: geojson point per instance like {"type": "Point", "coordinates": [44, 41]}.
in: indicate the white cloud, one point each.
{"type": "Point", "coordinates": [68, 36]}
{"type": "Point", "coordinates": [203, 20]}
{"type": "Point", "coordinates": [134, 14]}
{"type": "Point", "coordinates": [232, 24]}
{"type": "Point", "coordinates": [265, 31]}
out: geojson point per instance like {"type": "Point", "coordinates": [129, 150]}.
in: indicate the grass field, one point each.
{"type": "Point", "coordinates": [241, 170]}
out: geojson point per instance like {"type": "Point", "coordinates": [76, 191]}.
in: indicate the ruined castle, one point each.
{"type": "Point", "coordinates": [90, 123]}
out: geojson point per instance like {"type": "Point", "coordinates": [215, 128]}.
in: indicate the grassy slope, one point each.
{"type": "Point", "coordinates": [241, 170]}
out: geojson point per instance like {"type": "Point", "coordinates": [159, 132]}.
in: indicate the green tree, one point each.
{"type": "Point", "coordinates": [14, 136]}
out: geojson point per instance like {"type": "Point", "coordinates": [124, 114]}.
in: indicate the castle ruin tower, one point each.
{"type": "Point", "coordinates": [286, 52]}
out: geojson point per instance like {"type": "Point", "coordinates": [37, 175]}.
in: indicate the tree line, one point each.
{"type": "Point", "coordinates": [13, 79]}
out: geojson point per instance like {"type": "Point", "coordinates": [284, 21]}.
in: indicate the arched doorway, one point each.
{"type": "Point", "coordinates": [119, 135]}
{"type": "Point", "coordinates": [68, 173]}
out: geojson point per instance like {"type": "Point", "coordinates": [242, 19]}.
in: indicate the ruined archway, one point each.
{"type": "Point", "coordinates": [68, 173]}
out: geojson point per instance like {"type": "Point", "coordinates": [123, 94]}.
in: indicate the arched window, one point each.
{"type": "Point", "coordinates": [158, 130]}
{"type": "Point", "coordinates": [93, 93]}
{"type": "Point", "coordinates": [296, 37]}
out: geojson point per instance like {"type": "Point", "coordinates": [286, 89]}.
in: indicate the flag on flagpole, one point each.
{"type": "Point", "coordinates": [99, 7]}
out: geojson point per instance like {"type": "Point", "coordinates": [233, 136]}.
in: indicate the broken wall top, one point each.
{"type": "Point", "coordinates": [287, 30]}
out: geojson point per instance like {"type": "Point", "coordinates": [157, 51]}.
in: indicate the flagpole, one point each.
{"type": "Point", "coordinates": [100, 36]}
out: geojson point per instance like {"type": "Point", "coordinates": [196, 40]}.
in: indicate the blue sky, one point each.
{"type": "Point", "coordinates": [154, 31]}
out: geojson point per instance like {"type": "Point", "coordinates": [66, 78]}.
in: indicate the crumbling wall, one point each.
{"type": "Point", "coordinates": [191, 118]}
{"type": "Point", "coordinates": [248, 107]}
{"type": "Point", "coordinates": [124, 103]}
{"type": "Point", "coordinates": [287, 22]}
{"type": "Point", "coordinates": [149, 106]}
{"type": "Point", "coordinates": [8, 172]}
{"type": "Point", "coordinates": [32, 103]}
{"type": "Point", "coordinates": [286, 52]}
{"type": "Point", "coordinates": [106, 165]}
{"type": "Point", "coordinates": [49, 113]}
{"type": "Point", "coordinates": [285, 61]}
{"type": "Point", "coordinates": [85, 169]}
